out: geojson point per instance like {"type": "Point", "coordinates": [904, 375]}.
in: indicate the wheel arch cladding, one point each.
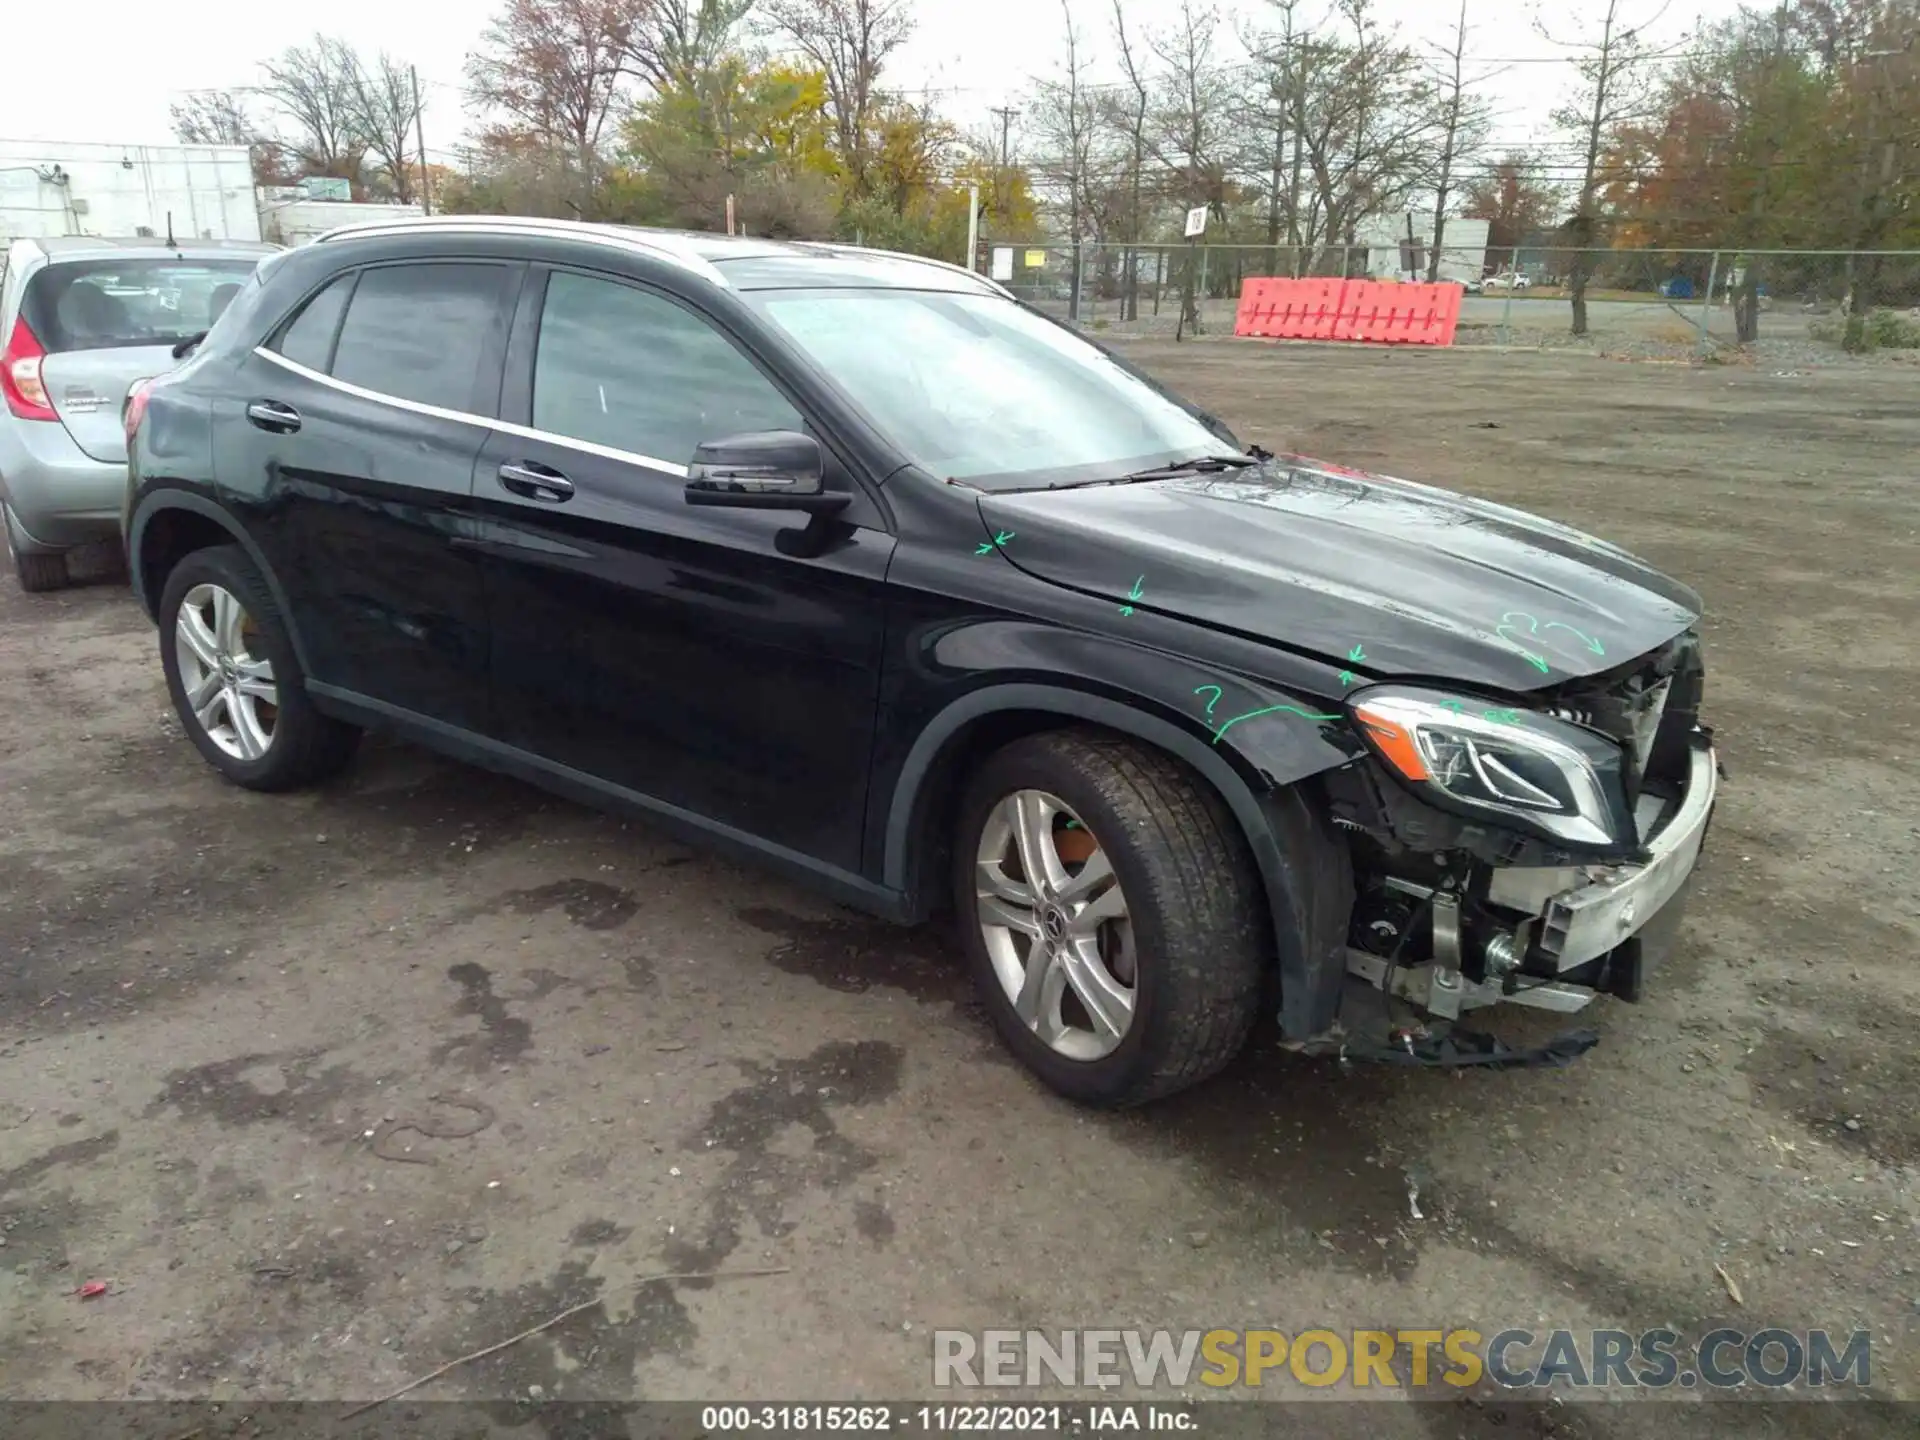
{"type": "Point", "coordinates": [1305, 870]}
{"type": "Point", "coordinates": [169, 525]}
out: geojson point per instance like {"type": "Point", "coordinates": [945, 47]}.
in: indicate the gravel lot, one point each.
{"type": "Point", "coordinates": [209, 999]}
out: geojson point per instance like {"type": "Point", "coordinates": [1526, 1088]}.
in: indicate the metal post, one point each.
{"type": "Point", "coordinates": [973, 227]}
{"type": "Point", "coordinates": [1706, 301]}
{"type": "Point", "coordinates": [420, 139]}
{"type": "Point", "coordinates": [1201, 298]}
{"type": "Point", "coordinates": [1506, 313]}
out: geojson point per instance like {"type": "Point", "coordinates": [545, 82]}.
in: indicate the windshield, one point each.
{"type": "Point", "coordinates": [100, 304]}
{"type": "Point", "coordinates": [975, 388]}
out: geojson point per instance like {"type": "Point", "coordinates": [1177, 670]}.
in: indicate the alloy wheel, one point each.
{"type": "Point", "coordinates": [229, 688]}
{"type": "Point", "coordinates": [1056, 926]}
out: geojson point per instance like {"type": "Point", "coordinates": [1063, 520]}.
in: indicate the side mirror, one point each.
{"type": "Point", "coordinates": [763, 470]}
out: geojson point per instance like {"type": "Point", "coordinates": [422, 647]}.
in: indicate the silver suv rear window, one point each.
{"type": "Point", "coordinates": [109, 303]}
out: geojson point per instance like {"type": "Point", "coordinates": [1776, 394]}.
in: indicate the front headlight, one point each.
{"type": "Point", "coordinates": [1530, 771]}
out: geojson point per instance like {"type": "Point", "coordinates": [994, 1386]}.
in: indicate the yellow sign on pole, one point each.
{"type": "Point", "coordinates": [1036, 259]}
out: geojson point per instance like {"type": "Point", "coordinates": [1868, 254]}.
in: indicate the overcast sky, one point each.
{"type": "Point", "coordinates": [108, 70]}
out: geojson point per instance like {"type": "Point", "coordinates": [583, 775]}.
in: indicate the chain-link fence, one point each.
{"type": "Point", "coordinates": [1652, 300]}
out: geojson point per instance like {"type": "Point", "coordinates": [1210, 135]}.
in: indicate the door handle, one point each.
{"type": "Point", "coordinates": [272, 415]}
{"type": "Point", "coordinates": [536, 482]}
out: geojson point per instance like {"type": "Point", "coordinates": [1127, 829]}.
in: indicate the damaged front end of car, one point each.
{"type": "Point", "coordinates": [1536, 856]}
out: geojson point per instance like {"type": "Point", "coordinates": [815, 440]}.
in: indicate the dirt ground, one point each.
{"type": "Point", "coordinates": [213, 1003]}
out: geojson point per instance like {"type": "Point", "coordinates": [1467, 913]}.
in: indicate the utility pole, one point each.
{"type": "Point", "coordinates": [1006, 114]}
{"type": "Point", "coordinates": [420, 139]}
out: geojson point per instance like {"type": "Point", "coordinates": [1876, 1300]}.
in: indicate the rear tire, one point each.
{"type": "Point", "coordinates": [236, 683]}
{"type": "Point", "coordinates": [1185, 972]}
{"type": "Point", "coordinates": [38, 571]}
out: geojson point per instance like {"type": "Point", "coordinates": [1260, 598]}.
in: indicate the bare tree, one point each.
{"type": "Point", "coordinates": [1368, 137]}
{"type": "Point", "coordinates": [555, 68]}
{"type": "Point", "coordinates": [1066, 118]}
{"type": "Point", "coordinates": [313, 87]}
{"type": "Point", "coordinates": [1615, 91]}
{"type": "Point", "coordinates": [1463, 126]}
{"type": "Point", "coordinates": [848, 41]}
{"type": "Point", "coordinates": [1129, 109]}
{"type": "Point", "coordinates": [387, 107]}
{"type": "Point", "coordinates": [213, 117]}
{"type": "Point", "coordinates": [676, 42]}
{"type": "Point", "coordinates": [1292, 57]}
{"type": "Point", "coordinates": [1190, 129]}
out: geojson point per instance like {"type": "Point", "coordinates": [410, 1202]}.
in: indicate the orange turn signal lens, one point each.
{"type": "Point", "coordinates": [1395, 744]}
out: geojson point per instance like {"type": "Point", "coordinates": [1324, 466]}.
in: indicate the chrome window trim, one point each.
{"type": "Point", "coordinates": [464, 417]}
{"type": "Point", "coordinates": [546, 229]}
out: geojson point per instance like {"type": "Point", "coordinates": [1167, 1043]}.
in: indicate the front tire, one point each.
{"type": "Point", "coordinates": [1112, 916]}
{"type": "Point", "coordinates": [235, 680]}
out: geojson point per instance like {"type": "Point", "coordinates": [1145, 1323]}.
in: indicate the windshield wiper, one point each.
{"type": "Point", "coordinates": [1205, 465]}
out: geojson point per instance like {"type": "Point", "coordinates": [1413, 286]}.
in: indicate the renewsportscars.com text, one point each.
{"type": "Point", "coordinates": [1398, 1359]}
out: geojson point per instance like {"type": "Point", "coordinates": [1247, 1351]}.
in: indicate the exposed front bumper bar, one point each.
{"type": "Point", "coordinates": [1579, 922]}
{"type": "Point", "coordinates": [1575, 915]}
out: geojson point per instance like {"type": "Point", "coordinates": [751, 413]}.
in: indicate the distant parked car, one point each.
{"type": "Point", "coordinates": [1508, 281]}
{"type": "Point", "coordinates": [82, 319]}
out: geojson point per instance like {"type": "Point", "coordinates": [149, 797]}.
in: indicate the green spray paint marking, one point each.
{"type": "Point", "coordinates": [1592, 644]}
{"type": "Point", "coordinates": [1510, 621]}
{"type": "Point", "coordinates": [1356, 655]}
{"type": "Point", "coordinates": [1133, 594]}
{"type": "Point", "coordinates": [987, 547]}
{"type": "Point", "coordinates": [1535, 630]}
{"type": "Point", "coordinates": [1502, 717]}
{"type": "Point", "coordinates": [1456, 706]}
{"type": "Point", "coordinates": [1269, 710]}
{"type": "Point", "coordinates": [1202, 689]}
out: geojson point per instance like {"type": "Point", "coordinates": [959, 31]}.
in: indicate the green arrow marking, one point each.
{"type": "Point", "coordinates": [1347, 677]}
{"type": "Point", "coordinates": [1592, 644]}
{"type": "Point", "coordinates": [1270, 710]}
{"type": "Point", "coordinates": [1133, 594]}
{"type": "Point", "coordinates": [1356, 654]}
{"type": "Point", "coordinates": [987, 547]}
{"type": "Point", "coordinates": [1511, 621]}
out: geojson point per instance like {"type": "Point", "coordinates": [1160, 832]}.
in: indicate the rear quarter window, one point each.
{"type": "Point", "coordinates": [308, 338]}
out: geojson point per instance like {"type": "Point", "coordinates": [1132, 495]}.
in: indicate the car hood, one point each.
{"type": "Point", "coordinates": [1383, 576]}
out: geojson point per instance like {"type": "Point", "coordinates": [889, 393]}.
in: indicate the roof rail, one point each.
{"type": "Point", "coordinates": [621, 236]}
{"type": "Point", "coordinates": [991, 284]}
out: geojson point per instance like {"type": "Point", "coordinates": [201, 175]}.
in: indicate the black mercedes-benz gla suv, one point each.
{"type": "Point", "coordinates": [850, 562]}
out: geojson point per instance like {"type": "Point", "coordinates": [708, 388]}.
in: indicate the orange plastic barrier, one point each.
{"type": "Point", "coordinates": [1384, 312]}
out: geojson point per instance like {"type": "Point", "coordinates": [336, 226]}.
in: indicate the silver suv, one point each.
{"type": "Point", "coordinates": [81, 319]}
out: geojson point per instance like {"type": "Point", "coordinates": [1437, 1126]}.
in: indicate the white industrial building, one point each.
{"type": "Point", "coordinates": [203, 192]}
{"type": "Point", "coordinates": [1398, 247]}
{"type": "Point", "coordinates": [78, 188]}
{"type": "Point", "coordinates": [292, 217]}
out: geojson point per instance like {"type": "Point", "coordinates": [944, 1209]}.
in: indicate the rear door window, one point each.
{"type": "Point", "coordinates": [107, 304]}
{"type": "Point", "coordinates": [423, 331]}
